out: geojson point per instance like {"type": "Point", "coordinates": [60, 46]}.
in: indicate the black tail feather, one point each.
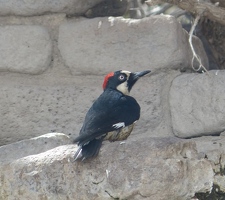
{"type": "Point", "coordinates": [91, 149]}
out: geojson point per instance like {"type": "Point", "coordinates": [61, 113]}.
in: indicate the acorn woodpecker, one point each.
{"type": "Point", "coordinates": [112, 115]}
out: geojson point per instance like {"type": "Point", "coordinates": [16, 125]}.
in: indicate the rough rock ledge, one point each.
{"type": "Point", "coordinates": [152, 168]}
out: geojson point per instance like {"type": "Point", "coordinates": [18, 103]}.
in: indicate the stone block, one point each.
{"type": "Point", "coordinates": [25, 49]}
{"type": "Point", "coordinates": [100, 45]}
{"type": "Point", "coordinates": [197, 104]}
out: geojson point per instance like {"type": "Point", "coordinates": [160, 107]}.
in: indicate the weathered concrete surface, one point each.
{"type": "Point", "coordinates": [25, 49]}
{"type": "Point", "coordinates": [113, 43]}
{"type": "Point", "coordinates": [164, 169]}
{"type": "Point", "coordinates": [14, 151]}
{"type": "Point", "coordinates": [40, 7]}
{"type": "Point", "coordinates": [197, 104]}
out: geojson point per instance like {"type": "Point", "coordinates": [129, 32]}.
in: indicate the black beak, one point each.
{"type": "Point", "coordinates": [137, 75]}
{"type": "Point", "coordinates": [134, 77]}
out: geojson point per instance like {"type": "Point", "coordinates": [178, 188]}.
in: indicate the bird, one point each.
{"type": "Point", "coordinates": [112, 115]}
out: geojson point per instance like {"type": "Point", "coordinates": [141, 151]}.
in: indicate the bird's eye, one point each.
{"type": "Point", "coordinates": [121, 77]}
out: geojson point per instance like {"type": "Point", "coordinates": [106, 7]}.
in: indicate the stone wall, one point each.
{"type": "Point", "coordinates": [52, 65]}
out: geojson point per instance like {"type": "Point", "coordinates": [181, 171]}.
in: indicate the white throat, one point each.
{"type": "Point", "coordinates": [123, 88]}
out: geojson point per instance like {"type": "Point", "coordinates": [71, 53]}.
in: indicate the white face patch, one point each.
{"type": "Point", "coordinates": [126, 72]}
{"type": "Point", "coordinates": [123, 86]}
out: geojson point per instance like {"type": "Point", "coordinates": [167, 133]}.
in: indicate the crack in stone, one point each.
{"type": "Point", "coordinates": [111, 195]}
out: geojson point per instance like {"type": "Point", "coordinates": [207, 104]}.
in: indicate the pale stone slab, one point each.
{"type": "Point", "coordinates": [197, 104]}
{"type": "Point", "coordinates": [25, 49]}
{"type": "Point", "coordinates": [100, 45]}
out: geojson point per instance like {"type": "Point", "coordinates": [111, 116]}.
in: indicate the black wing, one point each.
{"type": "Point", "coordinates": [110, 108]}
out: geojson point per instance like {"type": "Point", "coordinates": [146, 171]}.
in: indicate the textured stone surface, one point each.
{"type": "Point", "coordinates": [33, 7]}
{"type": "Point", "coordinates": [30, 106]}
{"type": "Point", "coordinates": [25, 49]}
{"type": "Point", "coordinates": [164, 169]}
{"type": "Point", "coordinates": [197, 104]}
{"type": "Point", "coordinates": [14, 151]}
{"type": "Point", "coordinates": [213, 148]}
{"type": "Point", "coordinates": [109, 44]}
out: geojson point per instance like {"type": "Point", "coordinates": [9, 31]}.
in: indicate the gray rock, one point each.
{"type": "Point", "coordinates": [32, 7]}
{"type": "Point", "coordinates": [145, 169]}
{"type": "Point", "coordinates": [213, 148]}
{"type": "Point", "coordinates": [100, 45]}
{"type": "Point", "coordinates": [14, 151]}
{"type": "Point", "coordinates": [25, 49]}
{"type": "Point", "coordinates": [197, 104]}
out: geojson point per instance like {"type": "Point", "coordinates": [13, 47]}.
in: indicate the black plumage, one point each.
{"type": "Point", "coordinates": [112, 111]}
